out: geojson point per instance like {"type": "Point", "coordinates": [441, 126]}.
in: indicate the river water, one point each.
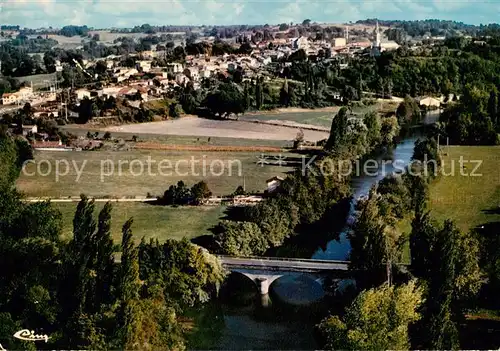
{"type": "Point", "coordinates": [288, 323]}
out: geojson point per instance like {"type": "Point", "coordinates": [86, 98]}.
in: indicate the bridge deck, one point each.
{"type": "Point", "coordinates": [283, 264]}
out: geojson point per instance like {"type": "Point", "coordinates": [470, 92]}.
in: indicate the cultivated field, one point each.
{"type": "Point", "coordinates": [67, 43]}
{"type": "Point", "coordinates": [161, 222]}
{"type": "Point", "coordinates": [469, 201]}
{"type": "Point", "coordinates": [102, 175]}
{"type": "Point", "coordinates": [81, 130]}
{"type": "Point", "coordinates": [193, 126]}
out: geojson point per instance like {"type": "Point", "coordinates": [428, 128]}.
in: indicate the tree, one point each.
{"type": "Point", "coordinates": [443, 331]}
{"type": "Point", "coordinates": [259, 93]}
{"type": "Point", "coordinates": [451, 270]}
{"type": "Point", "coordinates": [85, 110]}
{"type": "Point", "coordinates": [104, 259]}
{"type": "Point", "coordinates": [127, 291]}
{"type": "Point", "coordinates": [369, 243]}
{"type": "Point", "coordinates": [378, 319]}
{"type": "Point", "coordinates": [283, 27]}
{"type": "Point", "coordinates": [373, 126]}
{"type": "Point", "coordinates": [421, 244]}
{"type": "Point", "coordinates": [493, 107]}
{"type": "Point", "coordinates": [408, 111]}
{"type": "Point", "coordinates": [200, 191]}
{"type": "Point", "coordinates": [226, 100]}
{"type": "Point", "coordinates": [389, 130]}
{"type": "Point", "coordinates": [27, 111]}
{"type": "Point", "coordinates": [426, 151]}
{"type": "Point", "coordinates": [179, 54]}
{"type": "Point", "coordinates": [298, 56]}
{"type": "Point", "coordinates": [240, 238]}
{"type": "Point", "coordinates": [239, 191]}
{"type": "Point", "coordinates": [178, 194]}
{"type": "Point", "coordinates": [186, 273]}
{"type": "Point", "coordinates": [338, 131]}
{"type": "Point", "coordinates": [284, 94]}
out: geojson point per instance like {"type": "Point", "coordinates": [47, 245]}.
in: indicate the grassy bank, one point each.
{"type": "Point", "coordinates": [469, 200]}
{"type": "Point", "coordinates": [151, 221]}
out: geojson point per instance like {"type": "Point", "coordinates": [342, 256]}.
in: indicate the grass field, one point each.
{"type": "Point", "coordinates": [100, 173]}
{"type": "Point", "coordinates": [319, 118]}
{"type": "Point", "coordinates": [469, 201]}
{"type": "Point", "coordinates": [205, 128]}
{"type": "Point", "coordinates": [161, 222]}
{"type": "Point", "coordinates": [80, 130]}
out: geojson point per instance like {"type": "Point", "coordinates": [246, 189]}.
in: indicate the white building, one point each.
{"type": "Point", "coordinates": [144, 66]}
{"type": "Point", "coordinates": [339, 42]}
{"type": "Point", "coordinates": [273, 183]}
{"type": "Point", "coordinates": [9, 98]}
{"type": "Point", "coordinates": [82, 93]}
{"type": "Point", "coordinates": [300, 43]}
{"type": "Point", "coordinates": [192, 73]}
{"type": "Point", "coordinates": [175, 68]}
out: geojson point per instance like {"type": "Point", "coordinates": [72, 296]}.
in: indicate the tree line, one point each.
{"type": "Point", "coordinates": [421, 306]}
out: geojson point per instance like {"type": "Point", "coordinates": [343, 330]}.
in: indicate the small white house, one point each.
{"type": "Point", "coordinates": [274, 183]}
{"type": "Point", "coordinates": [27, 129]}
{"type": "Point", "coordinates": [82, 93]}
{"type": "Point", "coordinates": [9, 98]}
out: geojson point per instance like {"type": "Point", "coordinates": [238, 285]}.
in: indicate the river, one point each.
{"type": "Point", "coordinates": [288, 323]}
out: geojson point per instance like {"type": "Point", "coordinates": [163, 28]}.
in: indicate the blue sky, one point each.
{"type": "Point", "coordinates": [126, 13]}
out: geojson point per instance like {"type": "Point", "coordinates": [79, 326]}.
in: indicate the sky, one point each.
{"type": "Point", "coordinates": [128, 13]}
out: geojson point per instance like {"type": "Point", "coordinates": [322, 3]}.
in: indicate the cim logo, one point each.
{"type": "Point", "coordinates": [28, 335]}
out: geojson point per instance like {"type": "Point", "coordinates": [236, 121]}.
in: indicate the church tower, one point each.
{"type": "Point", "coordinates": [376, 44]}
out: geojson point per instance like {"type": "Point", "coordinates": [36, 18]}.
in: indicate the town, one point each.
{"type": "Point", "coordinates": [297, 185]}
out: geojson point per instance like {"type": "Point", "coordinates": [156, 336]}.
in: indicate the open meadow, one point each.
{"type": "Point", "coordinates": [470, 201]}
{"type": "Point", "coordinates": [133, 173]}
{"type": "Point", "coordinates": [81, 130]}
{"type": "Point", "coordinates": [200, 127]}
{"type": "Point", "coordinates": [159, 222]}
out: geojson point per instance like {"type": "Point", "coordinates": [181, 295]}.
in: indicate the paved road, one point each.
{"type": "Point", "coordinates": [285, 264]}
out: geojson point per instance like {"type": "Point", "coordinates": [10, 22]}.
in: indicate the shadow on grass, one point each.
{"type": "Point", "coordinates": [492, 211]}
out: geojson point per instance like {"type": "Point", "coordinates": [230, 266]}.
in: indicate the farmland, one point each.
{"type": "Point", "coordinates": [159, 222]}
{"type": "Point", "coordinates": [98, 173]}
{"type": "Point", "coordinates": [192, 126]}
{"type": "Point", "coordinates": [470, 201]}
{"type": "Point", "coordinates": [184, 140]}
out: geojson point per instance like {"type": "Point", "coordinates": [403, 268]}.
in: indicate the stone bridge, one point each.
{"type": "Point", "coordinates": [263, 271]}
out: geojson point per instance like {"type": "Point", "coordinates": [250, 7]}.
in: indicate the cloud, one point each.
{"type": "Point", "coordinates": [110, 13]}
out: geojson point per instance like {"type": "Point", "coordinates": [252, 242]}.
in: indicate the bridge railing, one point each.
{"type": "Point", "coordinates": [262, 258]}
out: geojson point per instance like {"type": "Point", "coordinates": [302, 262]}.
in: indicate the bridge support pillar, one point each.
{"type": "Point", "coordinates": [263, 285]}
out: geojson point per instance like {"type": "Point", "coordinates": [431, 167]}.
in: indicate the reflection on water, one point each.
{"type": "Point", "coordinates": [286, 324]}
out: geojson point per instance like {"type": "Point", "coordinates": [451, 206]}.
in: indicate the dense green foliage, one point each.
{"type": "Point", "coordinates": [77, 292]}
{"type": "Point", "coordinates": [180, 194]}
{"type": "Point", "coordinates": [378, 319]}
